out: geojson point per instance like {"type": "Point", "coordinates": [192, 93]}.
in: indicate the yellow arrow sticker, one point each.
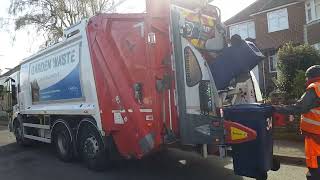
{"type": "Point", "coordinates": [237, 134]}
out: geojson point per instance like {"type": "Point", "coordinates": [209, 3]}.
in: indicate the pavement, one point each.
{"type": "Point", "coordinates": [5, 136]}
{"type": "Point", "coordinates": [289, 151]}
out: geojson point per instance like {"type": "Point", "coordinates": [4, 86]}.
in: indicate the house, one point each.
{"type": "Point", "coordinates": [312, 27]}
{"type": "Point", "coordinates": [270, 24]}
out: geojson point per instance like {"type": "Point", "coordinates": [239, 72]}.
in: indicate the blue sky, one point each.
{"type": "Point", "coordinates": [27, 41]}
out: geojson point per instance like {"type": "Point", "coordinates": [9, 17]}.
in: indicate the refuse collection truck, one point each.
{"type": "Point", "coordinates": [129, 85]}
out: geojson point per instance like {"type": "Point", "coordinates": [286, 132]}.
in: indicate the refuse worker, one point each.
{"type": "Point", "coordinates": [309, 106]}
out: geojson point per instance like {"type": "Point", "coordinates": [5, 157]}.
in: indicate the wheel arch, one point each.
{"type": "Point", "coordinates": [65, 124]}
{"type": "Point", "coordinates": [91, 123]}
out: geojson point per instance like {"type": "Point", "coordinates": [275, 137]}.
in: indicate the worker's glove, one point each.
{"type": "Point", "coordinates": [291, 118]}
{"type": "Point", "coordinates": [276, 108]}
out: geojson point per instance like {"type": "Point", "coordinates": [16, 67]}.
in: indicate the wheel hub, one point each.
{"type": "Point", "coordinates": [91, 147]}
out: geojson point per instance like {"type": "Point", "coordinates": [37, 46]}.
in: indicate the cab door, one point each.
{"type": "Point", "coordinates": [11, 97]}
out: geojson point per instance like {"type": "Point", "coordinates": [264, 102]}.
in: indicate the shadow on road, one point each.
{"type": "Point", "coordinates": [39, 161]}
{"type": "Point", "coordinates": [166, 165]}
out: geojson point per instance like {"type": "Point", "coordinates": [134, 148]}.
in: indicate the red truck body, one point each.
{"type": "Point", "coordinates": [120, 58]}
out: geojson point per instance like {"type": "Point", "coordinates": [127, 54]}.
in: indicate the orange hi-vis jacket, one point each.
{"type": "Point", "coordinates": [310, 122]}
{"type": "Point", "coordinates": [310, 125]}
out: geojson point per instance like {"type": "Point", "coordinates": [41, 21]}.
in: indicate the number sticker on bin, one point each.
{"type": "Point", "coordinates": [269, 124]}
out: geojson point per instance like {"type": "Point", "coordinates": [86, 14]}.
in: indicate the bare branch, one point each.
{"type": "Point", "coordinates": [52, 16]}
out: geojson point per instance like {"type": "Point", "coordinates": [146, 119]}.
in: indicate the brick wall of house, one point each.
{"type": "Point", "coordinates": [269, 43]}
{"type": "Point", "coordinates": [313, 32]}
{"type": "Point", "coordinates": [273, 40]}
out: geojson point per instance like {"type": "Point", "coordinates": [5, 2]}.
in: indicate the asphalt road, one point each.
{"type": "Point", "coordinates": [39, 163]}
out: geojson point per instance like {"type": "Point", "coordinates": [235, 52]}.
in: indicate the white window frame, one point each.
{"type": "Point", "coordinates": [274, 58]}
{"type": "Point", "coordinates": [309, 5]}
{"type": "Point", "coordinates": [312, 7]}
{"type": "Point", "coordinates": [315, 5]}
{"type": "Point", "coordinates": [317, 46]}
{"type": "Point", "coordinates": [280, 27]}
{"type": "Point", "coordinates": [249, 25]}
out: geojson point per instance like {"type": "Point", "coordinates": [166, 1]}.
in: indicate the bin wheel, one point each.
{"type": "Point", "coordinates": [275, 164]}
{"type": "Point", "coordinates": [92, 149]}
{"type": "Point", "coordinates": [63, 143]}
{"type": "Point", "coordinates": [262, 176]}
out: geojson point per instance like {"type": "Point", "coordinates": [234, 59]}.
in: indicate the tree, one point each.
{"type": "Point", "coordinates": [52, 16]}
{"type": "Point", "coordinates": [293, 61]}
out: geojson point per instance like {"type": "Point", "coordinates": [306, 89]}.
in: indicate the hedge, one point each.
{"type": "Point", "coordinates": [293, 61]}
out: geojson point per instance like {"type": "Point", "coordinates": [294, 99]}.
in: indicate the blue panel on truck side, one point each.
{"type": "Point", "coordinates": [56, 76]}
{"type": "Point", "coordinates": [254, 158]}
{"type": "Point", "coordinates": [68, 88]}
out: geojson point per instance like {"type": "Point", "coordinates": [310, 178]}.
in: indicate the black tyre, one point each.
{"type": "Point", "coordinates": [275, 164]}
{"type": "Point", "coordinates": [263, 176]}
{"type": "Point", "coordinates": [92, 149]}
{"type": "Point", "coordinates": [18, 132]}
{"type": "Point", "coordinates": [63, 143]}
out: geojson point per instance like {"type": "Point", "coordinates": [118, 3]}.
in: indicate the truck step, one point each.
{"type": "Point", "coordinates": [37, 138]}
{"type": "Point", "coordinates": [36, 126]}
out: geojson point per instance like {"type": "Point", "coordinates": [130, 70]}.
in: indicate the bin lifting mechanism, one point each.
{"type": "Point", "coordinates": [237, 133]}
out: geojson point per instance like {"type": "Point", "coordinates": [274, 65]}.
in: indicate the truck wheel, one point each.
{"type": "Point", "coordinates": [18, 133]}
{"type": "Point", "coordinates": [92, 149]}
{"type": "Point", "coordinates": [63, 143]}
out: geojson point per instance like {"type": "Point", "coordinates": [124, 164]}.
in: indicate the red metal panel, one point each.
{"type": "Point", "coordinates": [120, 57]}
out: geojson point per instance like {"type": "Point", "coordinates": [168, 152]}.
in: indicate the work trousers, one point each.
{"type": "Point", "coordinates": [314, 174]}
